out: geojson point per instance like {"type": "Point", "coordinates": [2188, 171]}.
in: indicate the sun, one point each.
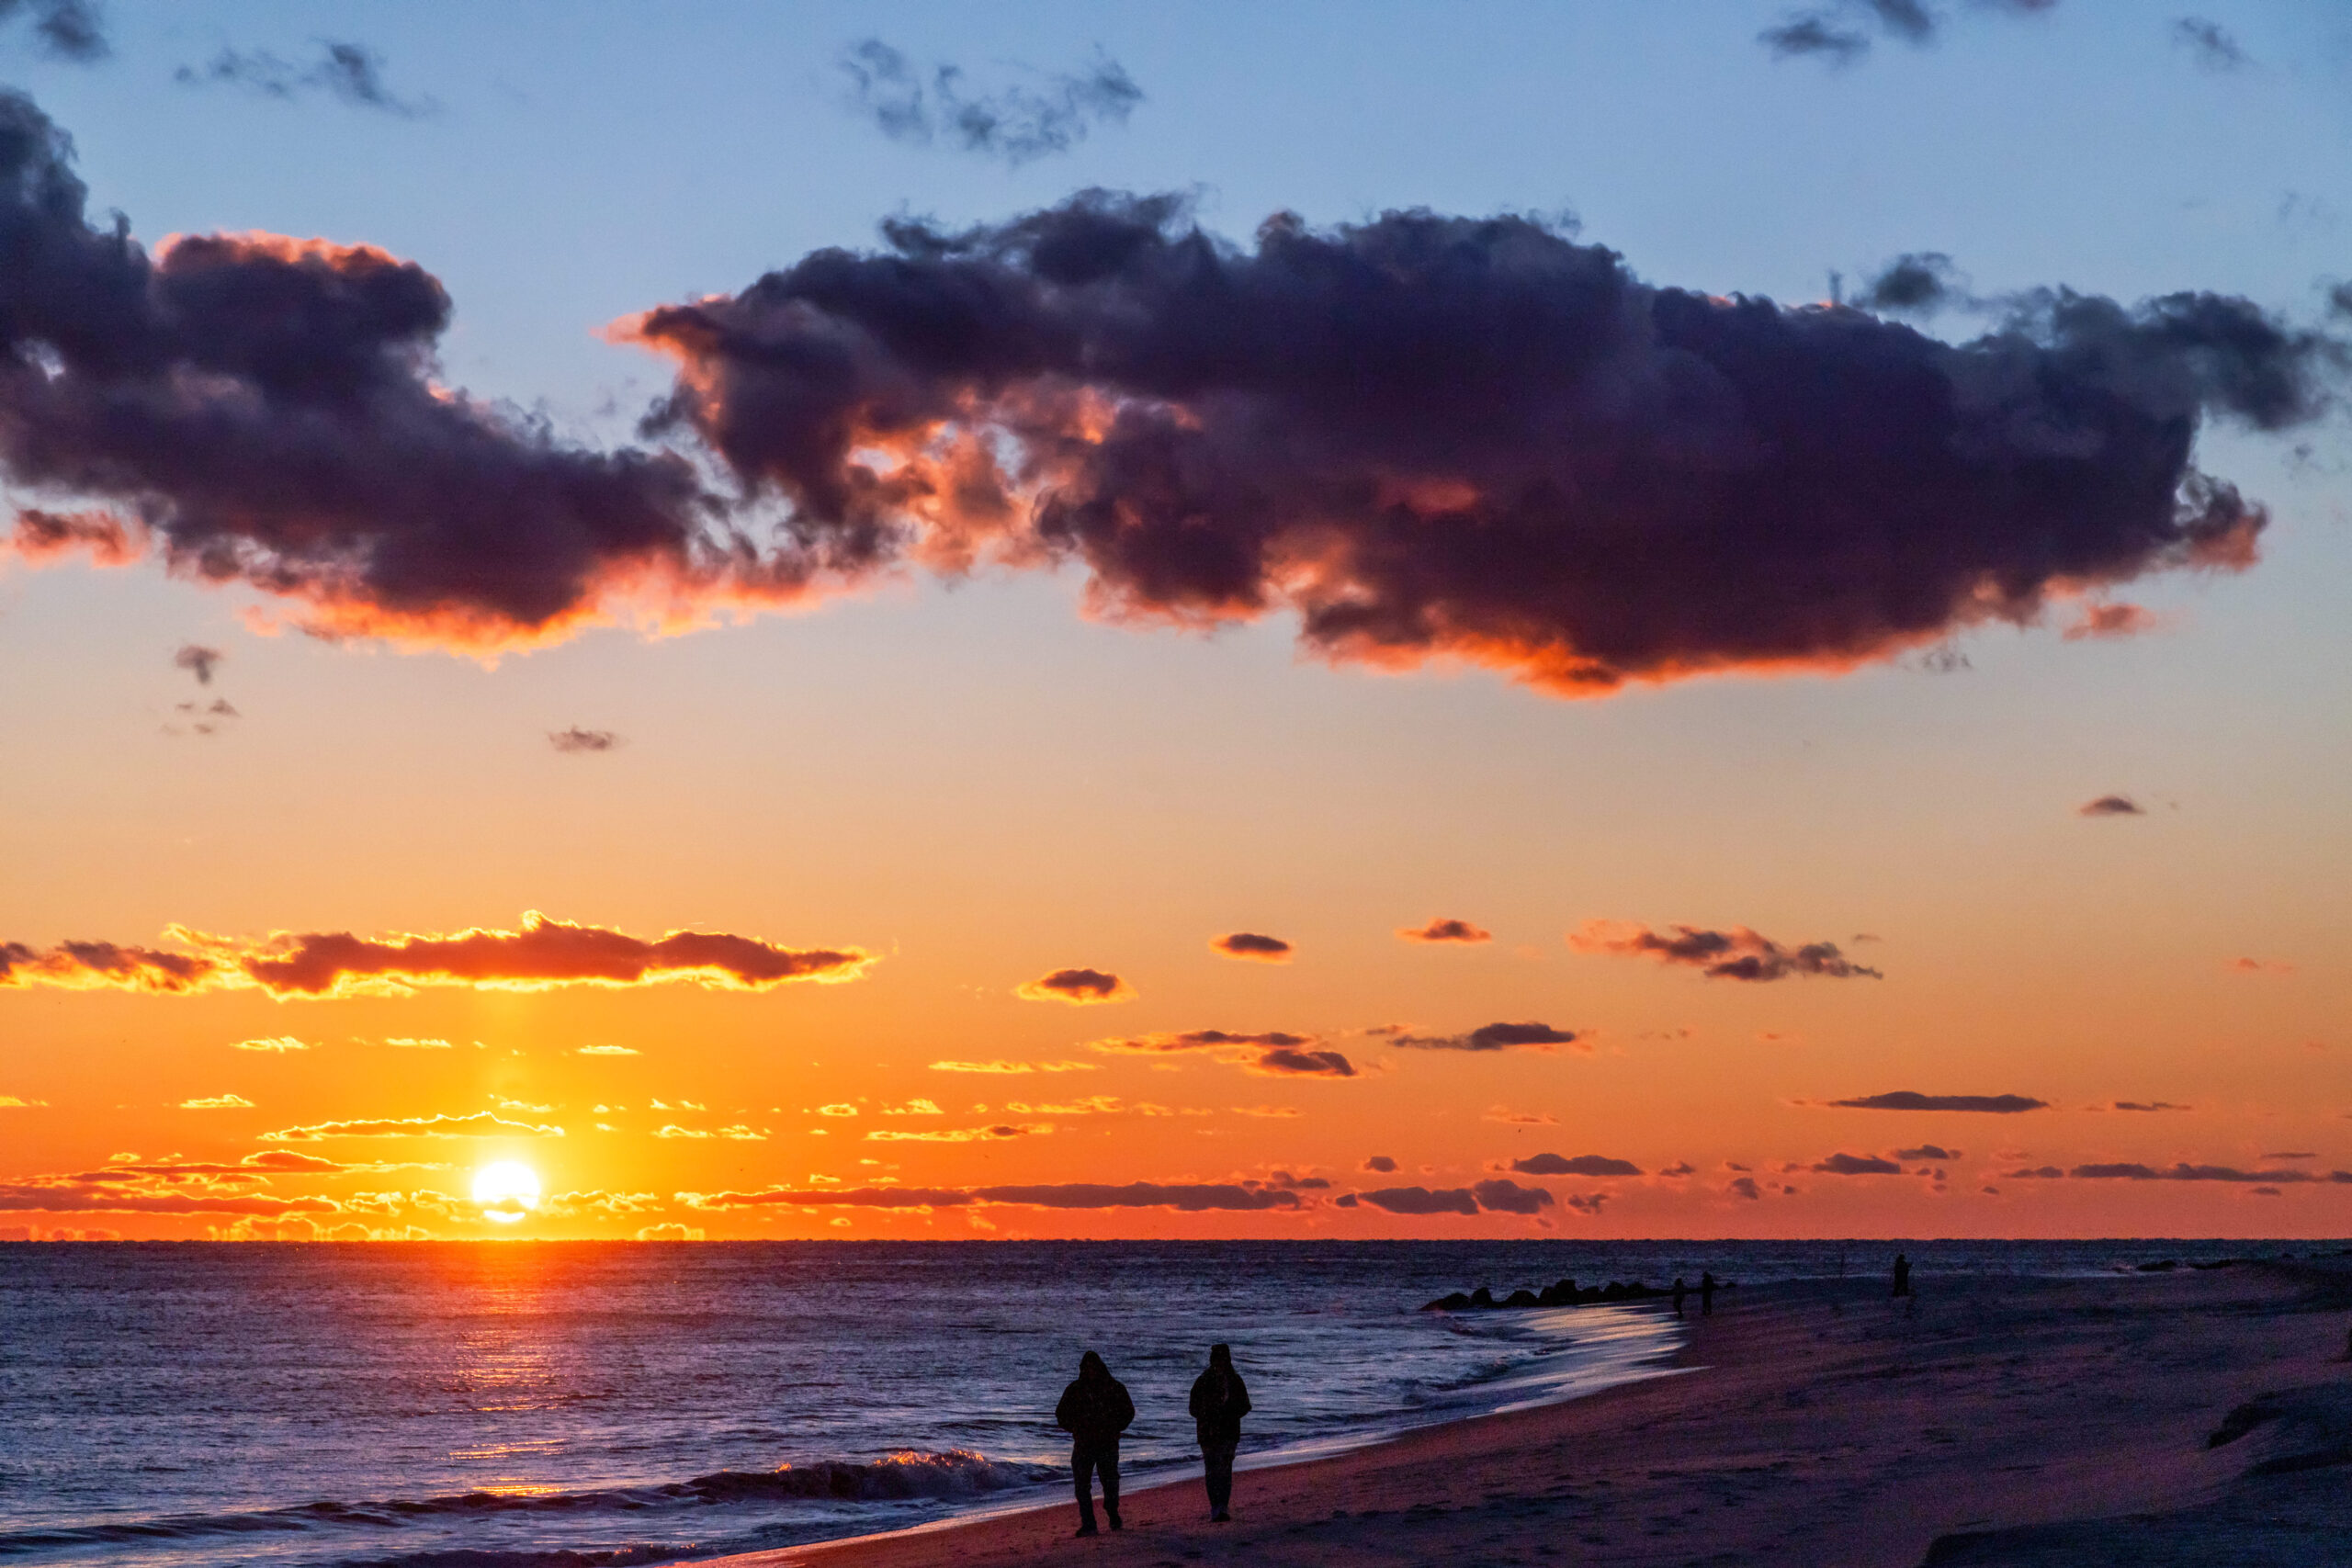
{"type": "Point", "coordinates": [507, 1190]}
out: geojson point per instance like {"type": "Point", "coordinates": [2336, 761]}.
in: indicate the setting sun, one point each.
{"type": "Point", "coordinates": [507, 1190]}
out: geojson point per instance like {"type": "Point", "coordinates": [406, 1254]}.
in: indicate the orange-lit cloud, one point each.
{"type": "Point", "coordinates": [1443, 929]}
{"type": "Point", "coordinates": [958, 1134]}
{"type": "Point", "coordinates": [543, 954]}
{"type": "Point", "coordinates": [1911, 1100]}
{"type": "Point", "coordinates": [480, 1124]}
{"type": "Point", "coordinates": [1528, 1036]}
{"type": "Point", "coordinates": [1496, 1196]}
{"type": "Point", "coordinates": [1184, 1197]}
{"type": "Point", "coordinates": [1738, 954]}
{"type": "Point", "coordinates": [1002, 1067]}
{"type": "Point", "coordinates": [218, 1103]}
{"type": "Point", "coordinates": [2115, 619]}
{"type": "Point", "coordinates": [277, 1043]}
{"type": "Point", "coordinates": [1581, 1164]}
{"type": "Point", "coordinates": [1253, 945]}
{"type": "Point", "coordinates": [1274, 1052]}
{"type": "Point", "coordinates": [1857, 1164]}
{"type": "Point", "coordinates": [2261, 966]}
{"type": "Point", "coordinates": [1079, 987]}
{"type": "Point", "coordinates": [2111, 805]}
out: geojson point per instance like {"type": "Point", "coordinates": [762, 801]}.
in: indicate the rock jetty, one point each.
{"type": "Point", "coordinates": [1562, 1294]}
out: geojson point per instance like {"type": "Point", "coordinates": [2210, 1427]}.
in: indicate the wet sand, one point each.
{"type": "Point", "coordinates": [2023, 1423]}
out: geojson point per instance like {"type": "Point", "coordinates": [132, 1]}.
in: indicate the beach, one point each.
{"type": "Point", "coordinates": [2009, 1421]}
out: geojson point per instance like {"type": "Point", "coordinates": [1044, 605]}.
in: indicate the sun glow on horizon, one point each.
{"type": "Point", "coordinates": [507, 1190]}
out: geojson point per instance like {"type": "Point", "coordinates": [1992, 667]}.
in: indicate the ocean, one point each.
{"type": "Point", "coordinates": [567, 1405]}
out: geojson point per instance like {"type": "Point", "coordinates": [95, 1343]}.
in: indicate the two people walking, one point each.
{"type": "Point", "coordinates": [1096, 1408]}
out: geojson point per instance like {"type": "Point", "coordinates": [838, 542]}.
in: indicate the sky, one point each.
{"type": "Point", "coordinates": [939, 623]}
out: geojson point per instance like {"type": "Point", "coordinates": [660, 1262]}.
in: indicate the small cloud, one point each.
{"type": "Point", "coordinates": [1582, 1165]}
{"type": "Point", "coordinates": [2261, 966]}
{"type": "Point", "coordinates": [1079, 987]}
{"type": "Point", "coordinates": [219, 1103]}
{"type": "Point", "coordinates": [1492, 1037]}
{"type": "Point", "coordinates": [351, 74]}
{"type": "Point", "coordinates": [839, 1109]}
{"type": "Point", "coordinates": [1738, 954]}
{"type": "Point", "coordinates": [671, 1232]}
{"type": "Point", "coordinates": [13, 1102]}
{"type": "Point", "coordinates": [2150, 1105]}
{"type": "Point", "coordinates": [2303, 1153]}
{"type": "Point", "coordinates": [1586, 1203]}
{"type": "Point", "coordinates": [1443, 929]}
{"type": "Point", "coordinates": [1813, 36]}
{"type": "Point", "coordinates": [1917, 283]}
{"type": "Point", "coordinates": [576, 739]}
{"type": "Point", "coordinates": [281, 1042]}
{"type": "Point", "coordinates": [70, 30]}
{"type": "Point", "coordinates": [1419, 1201]}
{"type": "Point", "coordinates": [198, 660]}
{"type": "Point", "coordinates": [1003, 1066]}
{"type": "Point", "coordinates": [2111, 805]}
{"type": "Point", "coordinates": [1679, 1168]}
{"type": "Point", "coordinates": [412, 1043]}
{"type": "Point", "coordinates": [1911, 1100]}
{"type": "Point", "coordinates": [1927, 1151]}
{"type": "Point", "coordinates": [914, 1107]}
{"type": "Point", "coordinates": [2208, 45]}
{"type": "Point", "coordinates": [1290, 1061]}
{"type": "Point", "coordinates": [1503, 1196]}
{"type": "Point", "coordinates": [1744, 1187]}
{"type": "Point", "coordinates": [480, 1124]}
{"type": "Point", "coordinates": [1381, 1163]}
{"type": "Point", "coordinates": [2115, 619]}
{"type": "Point", "coordinates": [604, 1051]}
{"type": "Point", "coordinates": [1521, 1118]}
{"type": "Point", "coordinates": [1016, 121]}
{"type": "Point", "coordinates": [1858, 1164]}
{"type": "Point", "coordinates": [1275, 1112]}
{"type": "Point", "coordinates": [1253, 945]}
{"type": "Point", "coordinates": [959, 1134]}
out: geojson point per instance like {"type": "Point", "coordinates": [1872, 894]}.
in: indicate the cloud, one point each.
{"type": "Point", "coordinates": [480, 1124]}
{"type": "Point", "coordinates": [70, 30]}
{"type": "Point", "coordinates": [2185, 1172]}
{"type": "Point", "coordinates": [737, 1134]}
{"type": "Point", "coordinates": [2111, 805]}
{"type": "Point", "coordinates": [1586, 1203]}
{"type": "Point", "coordinates": [1505, 1197]}
{"type": "Point", "coordinates": [1582, 1165]}
{"type": "Point", "coordinates": [1520, 1118]}
{"type": "Point", "coordinates": [1927, 1151]}
{"type": "Point", "coordinates": [1187, 1198]}
{"type": "Point", "coordinates": [198, 661]}
{"type": "Point", "coordinates": [2261, 966]}
{"type": "Point", "coordinates": [958, 1134]}
{"type": "Point", "coordinates": [576, 739]}
{"type": "Point", "coordinates": [604, 1051]}
{"type": "Point", "coordinates": [2213, 48]}
{"type": "Point", "coordinates": [1428, 437]}
{"type": "Point", "coordinates": [1002, 1067]}
{"type": "Point", "coordinates": [1382, 1163]}
{"type": "Point", "coordinates": [1445, 929]}
{"type": "Point", "coordinates": [1016, 122]}
{"type": "Point", "coordinates": [279, 1043]}
{"type": "Point", "coordinates": [1273, 1053]}
{"type": "Point", "coordinates": [1919, 284]}
{"type": "Point", "coordinates": [416, 1043]}
{"type": "Point", "coordinates": [1252, 944]}
{"type": "Point", "coordinates": [350, 73]}
{"type": "Point", "coordinates": [2150, 1105]}
{"type": "Point", "coordinates": [1080, 987]}
{"type": "Point", "coordinates": [1423, 1201]}
{"type": "Point", "coordinates": [931, 1108]}
{"type": "Point", "coordinates": [1492, 1037]}
{"type": "Point", "coordinates": [2112, 619]}
{"type": "Point", "coordinates": [1838, 33]}
{"type": "Point", "coordinates": [12, 1102]}
{"type": "Point", "coordinates": [1738, 954]}
{"type": "Point", "coordinates": [218, 1103]}
{"type": "Point", "coordinates": [1910, 1099]}
{"type": "Point", "coordinates": [544, 954]}
{"type": "Point", "coordinates": [1858, 1164]}
{"type": "Point", "coordinates": [1679, 1168]}
{"type": "Point", "coordinates": [670, 1231]}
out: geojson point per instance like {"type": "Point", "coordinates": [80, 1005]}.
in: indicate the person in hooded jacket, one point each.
{"type": "Point", "coordinates": [1220, 1400]}
{"type": "Point", "coordinates": [1094, 1410]}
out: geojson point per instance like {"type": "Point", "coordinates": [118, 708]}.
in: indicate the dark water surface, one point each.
{"type": "Point", "coordinates": [513, 1405]}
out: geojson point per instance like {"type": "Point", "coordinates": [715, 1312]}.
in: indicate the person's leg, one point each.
{"type": "Point", "coordinates": [1107, 1461]}
{"type": "Point", "coordinates": [1217, 1467]}
{"type": "Point", "coordinates": [1082, 1469]}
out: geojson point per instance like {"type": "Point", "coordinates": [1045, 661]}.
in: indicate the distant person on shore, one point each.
{"type": "Point", "coordinates": [1707, 1295]}
{"type": "Point", "coordinates": [1220, 1400]}
{"type": "Point", "coordinates": [1902, 1275]}
{"type": "Point", "coordinates": [1680, 1290]}
{"type": "Point", "coordinates": [1094, 1410]}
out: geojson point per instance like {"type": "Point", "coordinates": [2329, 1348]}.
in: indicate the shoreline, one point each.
{"type": "Point", "coordinates": [1811, 1423]}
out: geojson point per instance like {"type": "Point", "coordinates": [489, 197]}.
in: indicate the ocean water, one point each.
{"type": "Point", "coordinates": [551, 1404]}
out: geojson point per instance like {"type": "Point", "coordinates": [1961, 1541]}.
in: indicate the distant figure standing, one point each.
{"type": "Point", "coordinates": [1220, 1400]}
{"type": "Point", "coordinates": [1902, 1275]}
{"type": "Point", "coordinates": [1680, 1290]}
{"type": "Point", "coordinates": [1094, 1410]}
{"type": "Point", "coordinates": [1706, 1295]}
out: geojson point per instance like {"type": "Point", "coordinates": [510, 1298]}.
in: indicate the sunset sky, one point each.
{"type": "Point", "coordinates": [1287, 710]}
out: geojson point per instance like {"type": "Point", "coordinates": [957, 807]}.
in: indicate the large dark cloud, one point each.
{"type": "Point", "coordinates": [545, 953]}
{"type": "Point", "coordinates": [1736, 954]}
{"type": "Point", "coordinates": [1189, 1197]}
{"type": "Point", "coordinates": [348, 72]}
{"type": "Point", "coordinates": [1530, 1036]}
{"type": "Point", "coordinates": [1018, 121]}
{"type": "Point", "coordinates": [1430, 437]}
{"type": "Point", "coordinates": [1421, 1200]}
{"type": "Point", "coordinates": [1911, 1100]}
{"type": "Point", "coordinates": [1582, 1165]}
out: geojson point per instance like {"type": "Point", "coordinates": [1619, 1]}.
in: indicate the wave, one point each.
{"type": "Point", "coordinates": [906, 1475]}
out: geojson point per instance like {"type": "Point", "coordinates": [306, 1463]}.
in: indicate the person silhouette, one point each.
{"type": "Point", "coordinates": [1680, 1290]}
{"type": "Point", "coordinates": [1094, 1410]}
{"type": "Point", "coordinates": [1220, 1399]}
{"type": "Point", "coordinates": [1706, 1295]}
{"type": "Point", "coordinates": [1902, 1275]}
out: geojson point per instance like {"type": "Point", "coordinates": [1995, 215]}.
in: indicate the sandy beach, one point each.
{"type": "Point", "coordinates": [2016, 1422]}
